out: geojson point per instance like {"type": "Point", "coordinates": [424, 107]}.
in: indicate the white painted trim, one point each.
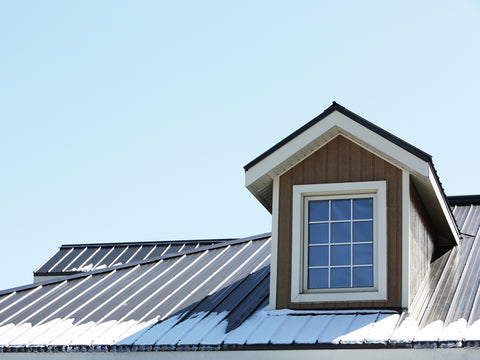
{"type": "Point", "coordinates": [444, 206]}
{"type": "Point", "coordinates": [405, 239]}
{"type": "Point", "coordinates": [379, 191]}
{"type": "Point", "coordinates": [274, 244]}
{"type": "Point", "coordinates": [332, 354]}
{"type": "Point", "coordinates": [335, 121]}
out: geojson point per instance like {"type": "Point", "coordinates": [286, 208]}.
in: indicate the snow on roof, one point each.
{"type": "Point", "coordinates": [216, 298]}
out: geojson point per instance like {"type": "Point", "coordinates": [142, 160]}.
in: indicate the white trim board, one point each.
{"type": "Point", "coordinates": [322, 132]}
{"type": "Point", "coordinates": [274, 246]}
{"type": "Point", "coordinates": [379, 290]}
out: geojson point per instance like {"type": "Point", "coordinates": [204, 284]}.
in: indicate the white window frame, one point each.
{"type": "Point", "coordinates": [301, 194]}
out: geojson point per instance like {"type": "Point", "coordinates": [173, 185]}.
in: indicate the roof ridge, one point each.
{"type": "Point", "coordinates": [135, 263]}
{"type": "Point", "coordinates": [139, 243]}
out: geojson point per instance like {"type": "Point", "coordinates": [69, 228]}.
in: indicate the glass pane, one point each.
{"type": "Point", "coordinates": [363, 209]}
{"type": "Point", "coordinates": [340, 277]}
{"type": "Point", "coordinates": [340, 255]}
{"type": "Point", "coordinates": [318, 233]}
{"type": "Point", "coordinates": [363, 276]}
{"type": "Point", "coordinates": [341, 232]}
{"type": "Point", "coordinates": [318, 256]}
{"type": "Point", "coordinates": [362, 254]}
{"type": "Point", "coordinates": [317, 278]}
{"type": "Point", "coordinates": [341, 209]}
{"type": "Point", "coordinates": [363, 231]}
{"type": "Point", "coordinates": [318, 211]}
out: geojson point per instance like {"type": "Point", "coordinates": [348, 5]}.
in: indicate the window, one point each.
{"type": "Point", "coordinates": [339, 242]}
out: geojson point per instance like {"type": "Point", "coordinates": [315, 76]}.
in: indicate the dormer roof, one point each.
{"type": "Point", "coordinates": [337, 120]}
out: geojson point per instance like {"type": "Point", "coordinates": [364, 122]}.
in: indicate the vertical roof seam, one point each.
{"type": "Point", "coordinates": [135, 253]}
{"type": "Point", "coordinates": [118, 257]}
{"type": "Point", "coordinates": [61, 307]}
{"type": "Point", "coordinates": [20, 299]}
{"type": "Point", "coordinates": [150, 252]}
{"type": "Point", "coordinates": [86, 261]}
{"type": "Point", "coordinates": [187, 314]}
{"type": "Point", "coordinates": [437, 289]}
{"type": "Point", "coordinates": [30, 304]}
{"type": "Point", "coordinates": [461, 280]}
{"type": "Point", "coordinates": [201, 284]}
{"type": "Point", "coordinates": [164, 285]}
{"type": "Point", "coordinates": [75, 258]}
{"type": "Point", "coordinates": [104, 257]}
{"type": "Point", "coordinates": [60, 260]}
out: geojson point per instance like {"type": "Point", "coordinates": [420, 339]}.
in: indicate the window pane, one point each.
{"type": "Point", "coordinates": [318, 255]}
{"type": "Point", "coordinates": [363, 231]}
{"type": "Point", "coordinates": [340, 255]}
{"type": "Point", "coordinates": [317, 278]}
{"type": "Point", "coordinates": [318, 211]}
{"type": "Point", "coordinates": [341, 209]}
{"type": "Point", "coordinates": [363, 209]}
{"type": "Point", "coordinates": [340, 277]}
{"type": "Point", "coordinates": [341, 232]}
{"type": "Point", "coordinates": [363, 276]}
{"type": "Point", "coordinates": [362, 254]}
{"type": "Point", "coordinates": [318, 233]}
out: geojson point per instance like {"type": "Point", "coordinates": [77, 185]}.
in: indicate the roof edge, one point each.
{"type": "Point", "coordinates": [464, 200]}
{"type": "Point", "coordinates": [360, 120]}
{"type": "Point", "coordinates": [89, 349]}
{"type": "Point", "coordinates": [153, 242]}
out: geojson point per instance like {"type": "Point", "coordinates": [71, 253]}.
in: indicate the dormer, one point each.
{"type": "Point", "coordinates": [358, 215]}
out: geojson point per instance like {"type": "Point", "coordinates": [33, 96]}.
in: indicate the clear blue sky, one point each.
{"type": "Point", "coordinates": [130, 121]}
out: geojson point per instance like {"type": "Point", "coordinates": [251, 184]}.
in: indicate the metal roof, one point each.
{"type": "Point", "coordinates": [76, 258]}
{"type": "Point", "coordinates": [216, 298]}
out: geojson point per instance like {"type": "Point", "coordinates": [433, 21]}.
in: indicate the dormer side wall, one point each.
{"type": "Point", "coordinates": [341, 161]}
{"type": "Point", "coordinates": [422, 242]}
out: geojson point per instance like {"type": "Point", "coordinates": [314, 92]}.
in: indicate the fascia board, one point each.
{"type": "Point", "coordinates": [444, 206]}
{"type": "Point", "coordinates": [343, 124]}
{"type": "Point", "coordinates": [286, 352]}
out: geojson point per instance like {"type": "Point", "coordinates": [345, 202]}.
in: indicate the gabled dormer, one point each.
{"type": "Point", "coordinates": [358, 215]}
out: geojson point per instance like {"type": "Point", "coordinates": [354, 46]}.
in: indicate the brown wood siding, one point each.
{"type": "Point", "coordinates": [422, 240]}
{"type": "Point", "coordinates": [341, 160]}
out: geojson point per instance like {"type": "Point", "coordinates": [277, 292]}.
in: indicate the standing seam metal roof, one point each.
{"type": "Point", "coordinates": [217, 299]}
{"type": "Point", "coordinates": [75, 258]}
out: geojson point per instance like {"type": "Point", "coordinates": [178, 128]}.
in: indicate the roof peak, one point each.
{"type": "Point", "coordinates": [353, 116]}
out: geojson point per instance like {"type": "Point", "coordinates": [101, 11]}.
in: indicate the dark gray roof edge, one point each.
{"type": "Point", "coordinates": [139, 243]}
{"type": "Point", "coordinates": [413, 345]}
{"type": "Point", "coordinates": [444, 196]}
{"type": "Point", "coordinates": [337, 107]}
{"type": "Point", "coordinates": [135, 263]}
{"type": "Point", "coordinates": [464, 200]}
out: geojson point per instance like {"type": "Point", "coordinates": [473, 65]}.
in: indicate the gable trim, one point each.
{"type": "Point", "coordinates": [335, 123]}
{"type": "Point", "coordinates": [337, 107]}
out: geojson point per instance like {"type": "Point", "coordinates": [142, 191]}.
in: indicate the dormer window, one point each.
{"type": "Point", "coordinates": [335, 242]}
{"type": "Point", "coordinates": [339, 242]}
